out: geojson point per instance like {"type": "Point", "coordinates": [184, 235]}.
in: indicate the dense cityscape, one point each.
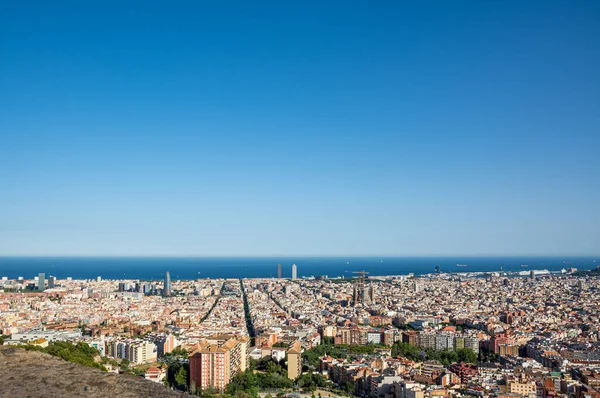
{"type": "Point", "coordinates": [249, 199]}
{"type": "Point", "coordinates": [437, 335]}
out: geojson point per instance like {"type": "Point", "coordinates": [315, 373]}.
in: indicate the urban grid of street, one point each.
{"type": "Point", "coordinates": [394, 336]}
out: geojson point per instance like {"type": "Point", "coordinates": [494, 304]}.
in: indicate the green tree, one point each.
{"type": "Point", "coordinates": [252, 363]}
{"type": "Point", "coordinates": [310, 381]}
{"type": "Point", "coordinates": [407, 351]}
{"type": "Point", "coordinates": [243, 381]}
{"type": "Point", "coordinates": [466, 355]}
{"type": "Point", "coordinates": [306, 383]}
{"type": "Point", "coordinates": [181, 377]}
{"type": "Point", "coordinates": [349, 387]}
{"type": "Point", "coordinates": [179, 352]}
{"type": "Point", "coordinates": [124, 363]}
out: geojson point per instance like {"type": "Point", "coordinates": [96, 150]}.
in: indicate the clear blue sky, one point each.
{"type": "Point", "coordinates": [299, 128]}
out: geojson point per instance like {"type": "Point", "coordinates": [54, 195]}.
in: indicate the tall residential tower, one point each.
{"type": "Point", "coordinates": [294, 365]}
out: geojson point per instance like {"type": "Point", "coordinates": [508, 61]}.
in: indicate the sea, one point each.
{"type": "Point", "coordinates": [154, 268]}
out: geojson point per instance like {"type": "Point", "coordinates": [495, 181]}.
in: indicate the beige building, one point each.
{"type": "Point", "coordinates": [407, 390]}
{"type": "Point", "coordinates": [136, 351]}
{"type": "Point", "coordinates": [524, 389]}
{"type": "Point", "coordinates": [294, 361]}
{"type": "Point", "coordinates": [142, 352]}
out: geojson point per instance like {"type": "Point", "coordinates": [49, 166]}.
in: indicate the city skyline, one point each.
{"type": "Point", "coordinates": [300, 199]}
{"type": "Point", "coordinates": [432, 333]}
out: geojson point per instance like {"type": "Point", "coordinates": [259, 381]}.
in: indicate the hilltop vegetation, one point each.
{"type": "Point", "coordinates": [79, 353]}
{"type": "Point", "coordinates": [34, 373]}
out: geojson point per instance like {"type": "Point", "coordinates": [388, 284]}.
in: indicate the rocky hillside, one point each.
{"type": "Point", "coordinates": [35, 374]}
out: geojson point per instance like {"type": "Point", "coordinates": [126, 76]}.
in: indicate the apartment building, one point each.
{"type": "Point", "coordinates": [213, 363]}
{"type": "Point", "coordinates": [294, 362]}
{"type": "Point", "coordinates": [524, 388]}
{"type": "Point", "coordinates": [165, 343]}
{"type": "Point", "coordinates": [135, 351]}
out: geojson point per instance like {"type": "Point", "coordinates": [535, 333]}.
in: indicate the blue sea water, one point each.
{"type": "Point", "coordinates": [150, 268]}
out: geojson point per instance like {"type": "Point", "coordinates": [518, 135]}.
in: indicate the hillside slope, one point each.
{"type": "Point", "coordinates": [35, 374]}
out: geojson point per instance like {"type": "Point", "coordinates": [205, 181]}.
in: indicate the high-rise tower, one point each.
{"type": "Point", "coordinates": [167, 287]}
{"type": "Point", "coordinates": [41, 282]}
{"type": "Point", "coordinates": [279, 271]}
{"type": "Point", "coordinates": [294, 271]}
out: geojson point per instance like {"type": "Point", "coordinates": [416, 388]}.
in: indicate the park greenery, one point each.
{"type": "Point", "coordinates": [264, 374]}
{"type": "Point", "coordinates": [311, 381]}
{"type": "Point", "coordinates": [79, 353]}
{"type": "Point", "coordinates": [178, 370]}
{"type": "Point", "coordinates": [179, 352]}
{"type": "Point", "coordinates": [445, 357]}
{"type": "Point", "coordinates": [399, 349]}
{"type": "Point", "coordinates": [311, 357]}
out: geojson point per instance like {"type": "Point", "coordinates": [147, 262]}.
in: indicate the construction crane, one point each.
{"type": "Point", "coordinates": [361, 274]}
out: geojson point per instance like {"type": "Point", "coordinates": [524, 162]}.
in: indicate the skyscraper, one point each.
{"type": "Point", "coordinates": [51, 282]}
{"type": "Point", "coordinates": [279, 271]}
{"type": "Point", "coordinates": [167, 287]}
{"type": "Point", "coordinates": [294, 271]}
{"type": "Point", "coordinates": [41, 281]}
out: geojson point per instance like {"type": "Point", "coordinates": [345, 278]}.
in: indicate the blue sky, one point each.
{"type": "Point", "coordinates": [299, 128]}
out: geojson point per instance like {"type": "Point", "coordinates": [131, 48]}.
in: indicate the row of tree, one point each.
{"type": "Point", "coordinates": [446, 357]}
{"type": "Point", "coordinates": [311, 357]}
{"type": "Point", "coordinates": [249, 324]}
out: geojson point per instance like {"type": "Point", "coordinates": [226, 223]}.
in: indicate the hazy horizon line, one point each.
{"type": "Point", "coordinates": [290, 255]}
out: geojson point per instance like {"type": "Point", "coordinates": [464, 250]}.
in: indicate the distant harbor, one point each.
{"type": "Point", "coordinates": [254, 267]}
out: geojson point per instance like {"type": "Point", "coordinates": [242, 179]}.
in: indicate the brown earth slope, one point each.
{"type": "Point", "coordinates": [35, 374]}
